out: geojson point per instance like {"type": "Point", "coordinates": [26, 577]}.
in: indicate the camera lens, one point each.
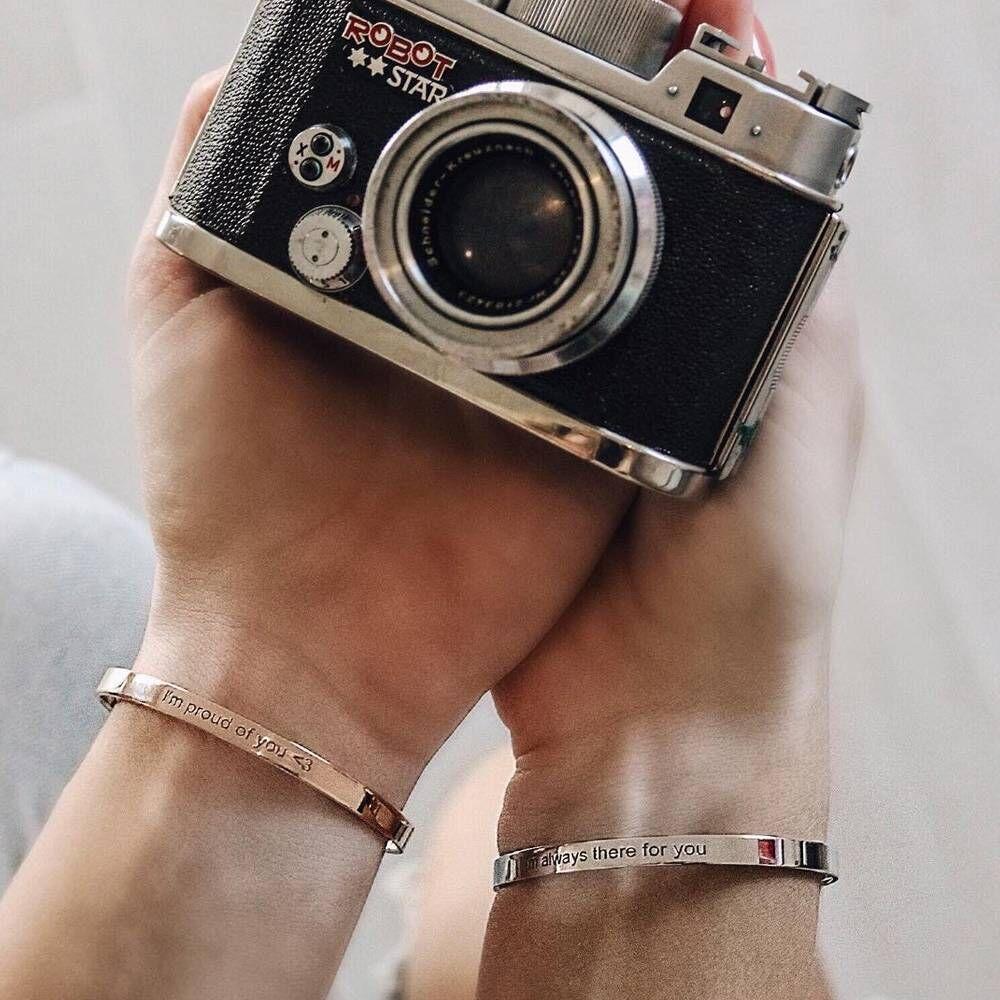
{"type": "Point", "coordinates": [496, 224]}
{"type": "Point", "coordinates": [311, 170]}
{"type": "Point", "coordinates": [514, 227]}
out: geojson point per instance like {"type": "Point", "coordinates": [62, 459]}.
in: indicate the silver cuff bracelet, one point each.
{"type": "Point", "coordinates": [744, 850]}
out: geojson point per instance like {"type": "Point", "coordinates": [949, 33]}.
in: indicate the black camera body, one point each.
{"type": "Point", "coordinates": [530, 211]}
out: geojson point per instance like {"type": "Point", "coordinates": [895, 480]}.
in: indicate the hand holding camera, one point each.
{"type": "Point", "coordinates": [527, 242]}
{"type": "Point", "coordinates": [609, 238]}
{"type": "Point", "coordinates": [368, 554]}
{"type": "Point", "coordinates": [602, 229]}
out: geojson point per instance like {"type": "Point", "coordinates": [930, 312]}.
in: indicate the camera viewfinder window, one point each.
{"type": "Point", "coordinates": [713, 105]}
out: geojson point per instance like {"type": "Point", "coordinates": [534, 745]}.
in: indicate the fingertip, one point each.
{"type": "Point", "coordinates": [762, 46]}
{"type": "Point", "coordinates": [836, 305]}
{"type": "Point", "coordinates": [196, 106]}
{"type": "Point", "coordinates": [200, 96]}
{"type": "Point", "coordinates": [193, 113]}
{"type": "Point", "coordinates": [734, 17]}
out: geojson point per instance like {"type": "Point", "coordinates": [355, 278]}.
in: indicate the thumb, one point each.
{"type": "Point", "coordinates": [160, 283]}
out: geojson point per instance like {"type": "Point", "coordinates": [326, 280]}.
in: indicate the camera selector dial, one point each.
{"type": "Point", "coordinates": [633, 34]}
{"type": "Point", "coordinates": [326, 249]}
{"type": "Point", "coordinates": [322, 156]}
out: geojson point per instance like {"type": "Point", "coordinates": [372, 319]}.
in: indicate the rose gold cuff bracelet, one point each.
{"type": "Point", "coordinates": [119, 684]}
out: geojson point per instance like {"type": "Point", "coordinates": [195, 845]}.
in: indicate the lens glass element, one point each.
{"type": "Point", "coordinates": [496, 225]}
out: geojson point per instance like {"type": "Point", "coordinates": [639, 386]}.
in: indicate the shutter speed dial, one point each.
{"type": "Point", "coordinates": [325, 248]}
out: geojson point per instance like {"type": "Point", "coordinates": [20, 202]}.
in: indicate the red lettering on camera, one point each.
{"type": "Point", "coordinates": [356, 29]}
{"type": "Point", "coordinates": [381, 34]}
{"type": "Point", "coordinates": [397, 47]}
{"type": "Point", "coordinates": [422, 54]}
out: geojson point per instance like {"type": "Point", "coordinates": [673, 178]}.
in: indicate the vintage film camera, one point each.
{"type": "Point", "coordinates": [520, 202]}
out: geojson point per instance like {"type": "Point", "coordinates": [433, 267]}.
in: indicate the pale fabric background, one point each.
{"type": "Point", "coordinates": [88, 94]}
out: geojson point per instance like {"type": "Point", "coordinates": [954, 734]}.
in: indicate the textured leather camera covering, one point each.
{"type": "Point", "coordinates": [247, 134]}
{"type": "Point", "coordinates": [733, 247]}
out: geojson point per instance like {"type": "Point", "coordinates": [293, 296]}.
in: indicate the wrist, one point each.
{"type": "Point", "coordinates": [713, 744]}
{"type": "Point", "coordinates": [691, 781]}
{"type": "Point", "coordinates": [666, 776]}
{"type": "Point", "coordinates": [191, 867]}
{"type": "Point", "coordinates": [258, 673]}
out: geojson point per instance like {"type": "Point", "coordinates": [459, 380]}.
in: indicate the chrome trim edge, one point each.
{"type": "Point", "coordinates": [802, 151]}
{"type": "Point", "coordinates": [639, 465]}
{"type": "Point", "coordinates": [767, 372]}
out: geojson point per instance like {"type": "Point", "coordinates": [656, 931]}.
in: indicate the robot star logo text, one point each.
{"type": "Point", "coordinates": [395, 55]}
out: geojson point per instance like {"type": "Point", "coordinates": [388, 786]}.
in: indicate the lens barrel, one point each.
{"type": "Point", "coordinates": [513, 226]}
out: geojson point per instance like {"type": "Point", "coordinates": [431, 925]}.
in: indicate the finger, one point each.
{"type": "Point", "coordinates": [825, 362]}
{"type": "Point", "coordinates": [734, 17]}
{"type": "Point", "coordinates": [196, 105]}
{"type": "Point", "coordinates": [762, 46]}
{"type": "Point", "coordinates": [819, 402]}
{"type": "Point", "coordinates": [160, 282]}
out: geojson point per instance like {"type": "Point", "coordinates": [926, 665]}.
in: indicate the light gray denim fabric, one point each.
{"type": "Point", "coordinates": [76, 572]}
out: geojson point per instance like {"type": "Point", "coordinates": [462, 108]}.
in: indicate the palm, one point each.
{"type": "Point", "coordinates": [760, 556]}
{"type": "Point", "coordinates": [319, 481]}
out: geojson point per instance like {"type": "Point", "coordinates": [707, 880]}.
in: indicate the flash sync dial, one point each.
{"type": "Point", "coordinates": [633, 34]}
{"type": "Point", "coordinates": [326, 249]}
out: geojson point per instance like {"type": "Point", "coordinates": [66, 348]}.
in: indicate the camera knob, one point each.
{"type": "Point", "coordinates": [326, 249]}
{"type": "Point", "coordinates": [633, 34]}
{"type": "Point", "coordinates": [322, 156]}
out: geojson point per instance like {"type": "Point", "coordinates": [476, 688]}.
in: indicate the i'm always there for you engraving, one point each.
{"type": "Point", "coordinates": [750, 850]}
{"type": "Point", "coordinates": [667, 853]}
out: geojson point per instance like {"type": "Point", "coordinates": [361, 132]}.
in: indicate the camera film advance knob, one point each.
{"type": "Point", "coordinates": [326, 250]}
{"type": "Point", "coordinates": [633, 34]}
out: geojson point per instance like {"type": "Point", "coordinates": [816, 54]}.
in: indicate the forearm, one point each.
{"type": "Point", "coordinates": [682, 934]}
{"type": "Point", "coordinates": [705, 933]}
{"type": "Point", "coordinates": [174, 866]}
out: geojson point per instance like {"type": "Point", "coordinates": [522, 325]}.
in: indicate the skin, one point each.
{"type": "Point", "coordinates": [423, 546]}
{"type": "Point", "coordinates": [351, 558]}
{"type": "Point", "coordinates": [346, 556]}
{"type": "Point", "coordinates": [701, 613]}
